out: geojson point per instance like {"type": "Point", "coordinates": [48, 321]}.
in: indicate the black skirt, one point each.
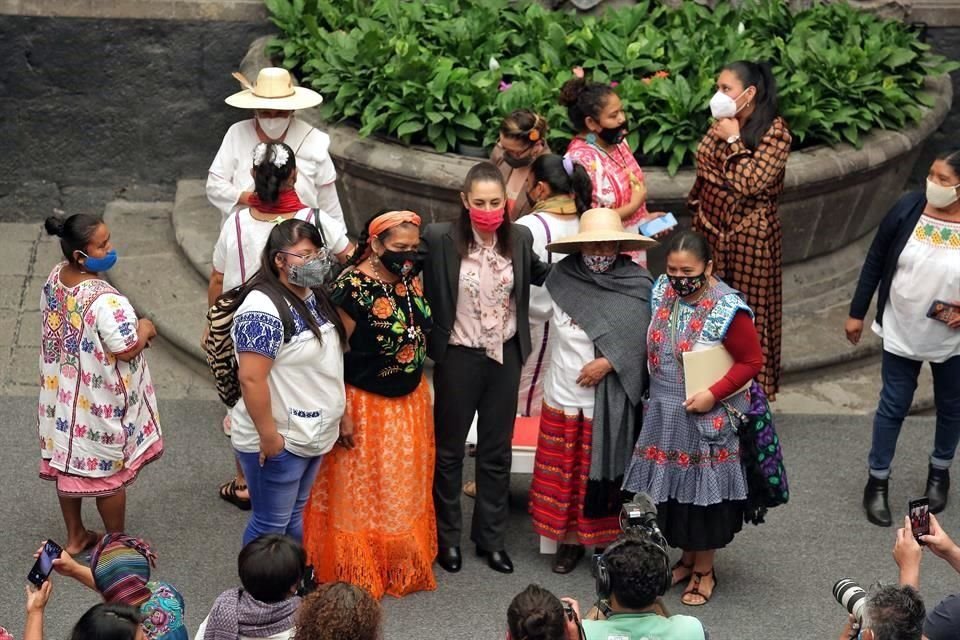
{"type": "Point", "coordinates": [693, 528]}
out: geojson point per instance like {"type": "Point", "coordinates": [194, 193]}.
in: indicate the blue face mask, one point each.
{"type": "Point", "coordinates": [98, 265]}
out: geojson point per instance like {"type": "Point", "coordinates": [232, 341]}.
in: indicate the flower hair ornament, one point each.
{"type": "Point", "coordinates": [280, 155]}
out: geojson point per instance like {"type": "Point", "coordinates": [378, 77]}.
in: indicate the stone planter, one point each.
{"type": "Point", "coordinates": [832, 196]}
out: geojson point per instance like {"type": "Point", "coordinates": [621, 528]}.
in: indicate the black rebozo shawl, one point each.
{"type": "Point", "coordinates": [613, 308]}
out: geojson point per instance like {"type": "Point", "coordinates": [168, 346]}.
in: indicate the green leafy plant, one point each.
{"type": "Point", "coordinates": [444, 72]}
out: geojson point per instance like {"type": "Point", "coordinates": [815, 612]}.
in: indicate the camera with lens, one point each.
{"type": "Point", "coordinates": [638, 518]}
{"type": "Point", "coordinates": [851, 597]}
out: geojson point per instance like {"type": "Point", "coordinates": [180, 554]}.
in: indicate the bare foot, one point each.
{"type": "Point", "coordinates": [681, 572]}
{"type": "Point", "coordinates": [90, 539]}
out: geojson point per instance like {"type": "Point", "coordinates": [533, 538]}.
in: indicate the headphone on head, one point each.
{"type": "Point", "coordinates": [604, 581]}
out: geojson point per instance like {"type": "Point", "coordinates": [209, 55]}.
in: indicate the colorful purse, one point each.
{"type": "Point", "coordinates": [762, 458]}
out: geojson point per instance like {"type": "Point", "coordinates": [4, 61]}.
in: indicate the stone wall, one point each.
{"type": "Point", "coordinates": [92, 103]}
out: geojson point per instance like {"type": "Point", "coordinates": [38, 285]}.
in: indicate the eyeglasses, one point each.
{"type": "Point", "coordinates": [322, 253]}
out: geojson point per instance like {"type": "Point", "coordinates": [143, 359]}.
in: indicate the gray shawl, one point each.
{"type": "Point", "coordinates": [613, 308]}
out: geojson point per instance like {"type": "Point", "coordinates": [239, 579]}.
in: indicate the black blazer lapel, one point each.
{"type": "Point", "coordinates": [451, 258]}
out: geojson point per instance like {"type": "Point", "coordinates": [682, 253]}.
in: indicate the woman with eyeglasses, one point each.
{"type": "Point", "coordinates": [523, 139]}
{"type": "Point", "coordinates": [288, 340]}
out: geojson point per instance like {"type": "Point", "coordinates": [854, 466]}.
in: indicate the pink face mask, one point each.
{"type": "Point", "coordinates": [486, 221]}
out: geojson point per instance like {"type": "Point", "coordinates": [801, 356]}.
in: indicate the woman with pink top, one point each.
{"type": "Point", "coordinates": [596, 112]}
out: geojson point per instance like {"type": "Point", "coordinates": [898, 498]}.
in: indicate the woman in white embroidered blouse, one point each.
{"type": "Point", "coordinates": [236, 256]}
{"type": "Point", "coordinates": [914, 261]}
{"type": "Point", "coordinates": [289, 345]}
{"type": "Point", "coordinates": [97, 421]}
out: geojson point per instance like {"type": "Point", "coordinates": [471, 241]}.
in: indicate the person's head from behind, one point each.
{"type": "Point", "coordinates": [893, 613]}
{"type": "Point", "coordinates": [274, 170]}
{"type": "Point", "coordinates": [594, 108]}
{"type": "Point", "coordinates": [271, 567]}
{"type": "Point", "coordinates": [83, 238]}
{"type": "Point", "coordinates": [121, 569]}
{"type": "Point", "coordinates": [552, 175]}
{"type": "Point", "coordinates": [536, 614]}
{"type": "Point", "coordinates": [522, 137]}
{"type": "Point", "coordinates": [339, 611]}
{"type": "Point", "coordinates": [109, 621]}
{"type": "Point", "coordinates": [636, 568]}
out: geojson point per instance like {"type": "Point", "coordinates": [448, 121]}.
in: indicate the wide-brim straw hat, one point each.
{"type": "Point", "coordinates": [601, 225]}
{"type": "Point", "coordinates": [274, 90]}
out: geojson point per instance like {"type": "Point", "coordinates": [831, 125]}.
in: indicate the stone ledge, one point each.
{"type": "Point", "coordinates": [194, 10]}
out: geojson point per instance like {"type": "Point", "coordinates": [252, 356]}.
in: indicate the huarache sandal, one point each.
{"type": "Point", "coordinates": [695, 591]}
{"type": "Point", "coordinates": [686, 576]}
{"type": "Point", "coordinates": [228, 492]}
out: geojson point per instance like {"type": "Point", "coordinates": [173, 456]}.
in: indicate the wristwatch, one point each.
{"type": "Point", "coordinates": [733, 138]}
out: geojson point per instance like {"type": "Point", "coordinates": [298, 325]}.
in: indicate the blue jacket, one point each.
{"type": "Point", "coordinates": [881, 262]}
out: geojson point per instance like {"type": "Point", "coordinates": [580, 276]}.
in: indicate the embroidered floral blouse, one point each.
{"type": "Point", "coordinates": [96, 413]}
{"type": "Point", "coordinates": [387, 349]}
{"type": "Point", "coordinates": [486, 310]}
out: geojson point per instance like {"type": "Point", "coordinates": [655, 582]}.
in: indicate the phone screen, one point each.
{"type": "Point", "coordinates": [44, 564]}
{"type": "Point", "coordinates": [920, 517]}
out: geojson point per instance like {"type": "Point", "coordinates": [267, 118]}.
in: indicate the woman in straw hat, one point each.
{"type": "Point", "coordinates": [593, 386]}
{"type": "Point", "coordinates": [273, 100]}
{"type": "Point", "coordinates": [687, 457]}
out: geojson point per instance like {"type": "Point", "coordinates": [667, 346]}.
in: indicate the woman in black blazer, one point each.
{"type": "Point", "coordinates": [477, 276]}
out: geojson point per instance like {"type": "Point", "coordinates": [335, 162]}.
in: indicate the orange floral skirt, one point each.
{"type": "Point", "coordinates": [370, 519]}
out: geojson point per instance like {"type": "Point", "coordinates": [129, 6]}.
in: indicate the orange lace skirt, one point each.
{"type": "Point", "coordinates": [370, 519]}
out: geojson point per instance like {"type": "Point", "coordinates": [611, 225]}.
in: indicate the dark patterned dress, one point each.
{"type": "Point", "coordinates": [734, 204]}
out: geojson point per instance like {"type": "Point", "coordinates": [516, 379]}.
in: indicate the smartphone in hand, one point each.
{"type": "Point", "coordinates": [44, 564]}
{"type": "Point", "coordinates": [920, 517]}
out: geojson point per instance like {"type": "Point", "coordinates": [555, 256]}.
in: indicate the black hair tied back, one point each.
{"type": "Point", "coordinates": [75, 232]}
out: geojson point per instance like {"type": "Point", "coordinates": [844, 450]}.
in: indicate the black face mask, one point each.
{"type": "Point", "coordinates": [687, 285]}
{"type": "Point", "coordinates": [405, 264]}
{"type": "Point", "coordinates": [614, 135]}
{"type": "Point", "coordinates": [516, 163]}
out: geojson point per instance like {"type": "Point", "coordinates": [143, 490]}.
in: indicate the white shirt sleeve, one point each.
{"type": "Point", "coordinates": [541, 308]}
{"type": "Point", "coordinates": [223, 243]}
{"type": "Point", "coordinates": [316, 146]}
{"type": "Point", "coordinates": [221, 190]}
{"type": "Point", "coordinates": [333, 231]}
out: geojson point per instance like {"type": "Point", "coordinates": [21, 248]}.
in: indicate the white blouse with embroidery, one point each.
{"type": "Point", "coordinates": [928, 270]}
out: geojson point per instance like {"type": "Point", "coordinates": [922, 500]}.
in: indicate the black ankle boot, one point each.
{"type": "Point", "coordinates": [875, 502]}
{"type": "Point", "coordinates": [938, 486]}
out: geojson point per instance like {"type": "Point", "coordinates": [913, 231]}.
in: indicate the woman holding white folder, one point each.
{"type": "Point", "coordinates": [687, 457]}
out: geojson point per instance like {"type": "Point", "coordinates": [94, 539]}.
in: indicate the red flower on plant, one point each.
{"type": "Point", "coordinates": [717, 423]}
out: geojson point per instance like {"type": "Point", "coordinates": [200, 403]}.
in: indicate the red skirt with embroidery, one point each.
{"type": "Point", "coordinates": [560, 472]}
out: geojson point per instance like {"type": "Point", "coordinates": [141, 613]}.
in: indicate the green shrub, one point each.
{"type": "Point", "coordinates": [443, 72]}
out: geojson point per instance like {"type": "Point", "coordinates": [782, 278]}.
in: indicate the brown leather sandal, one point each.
{"type": "Point", "coordinates": [228, 492]}
{"type": "Point", "coordinates": [695, 591]}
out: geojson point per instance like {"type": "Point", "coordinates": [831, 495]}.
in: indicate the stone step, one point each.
{"type": "Point", "coordinates": [154, 275]}
{"type": "Point", "coordinates": [196, 225]}
{"type": "Point", "coordinates": [851, 388]}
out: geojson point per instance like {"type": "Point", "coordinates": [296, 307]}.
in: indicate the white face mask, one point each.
{"type": "Point", "coordinates": [274, 128]}
{"type": "Point", "coordinates": [940, 196]}
{"type": "Point", "coordinates": [723, 106]}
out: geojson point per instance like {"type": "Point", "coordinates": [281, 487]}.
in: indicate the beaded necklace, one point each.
{"type": "Point", "coordinates": [413, 332]}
